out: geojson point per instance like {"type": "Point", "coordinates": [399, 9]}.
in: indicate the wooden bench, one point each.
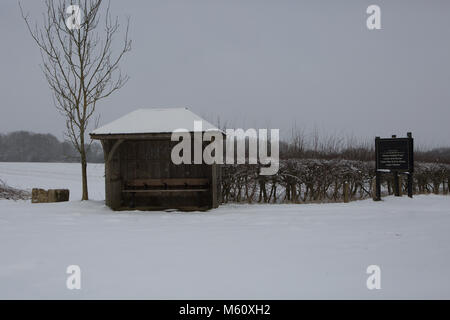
{"type": "Point", "coordinates": [153, 186]}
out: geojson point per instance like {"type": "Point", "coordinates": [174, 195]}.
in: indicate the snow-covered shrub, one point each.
{"type": "Point", "coordinates": [317, 180]}
{"type": "Point", "coordinates": [10, 193]}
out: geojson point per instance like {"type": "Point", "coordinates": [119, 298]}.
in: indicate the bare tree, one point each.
{"type": "Point", "coordinates": [79, 64]}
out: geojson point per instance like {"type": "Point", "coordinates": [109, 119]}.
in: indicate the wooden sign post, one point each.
{"type": "Point", "coordinates": [394, 155]}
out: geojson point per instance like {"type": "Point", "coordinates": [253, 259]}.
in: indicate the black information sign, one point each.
{"type": "Point", "coordinates": [395, 155]}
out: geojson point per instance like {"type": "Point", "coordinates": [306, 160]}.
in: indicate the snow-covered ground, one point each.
{"type": "Point", "coordinates": [53, 176]}
{"type": "Point", "coordinates": [236, 251]}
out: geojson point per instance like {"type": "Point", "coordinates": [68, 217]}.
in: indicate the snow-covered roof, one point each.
{"type": "Point", "coordinates": [154, 120]}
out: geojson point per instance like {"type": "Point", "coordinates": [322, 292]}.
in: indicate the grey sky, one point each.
{"type": "Point", "coordinates": [260, 64]}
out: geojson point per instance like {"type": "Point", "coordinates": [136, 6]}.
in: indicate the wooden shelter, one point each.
{"type": "Point", "coordinates": [139, 172]}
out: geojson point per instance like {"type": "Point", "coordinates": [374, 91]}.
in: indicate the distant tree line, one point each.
{"type": "Point", "coordinates": [303, 145]}
{"type": "Point", "coordinates": [23, 146]}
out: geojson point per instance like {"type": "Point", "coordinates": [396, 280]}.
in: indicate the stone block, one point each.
{"type": "Point", "coordinates": [52, 195]}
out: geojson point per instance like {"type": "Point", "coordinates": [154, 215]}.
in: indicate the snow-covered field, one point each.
{"type": "Point", "coordinates": [53, 176]}
{"type": "Point", "coordinates": [236, 251]}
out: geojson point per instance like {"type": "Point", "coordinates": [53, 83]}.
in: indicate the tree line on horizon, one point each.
{"type": "Point", "coordinates": [24, 146]}
{"type": "Point", "coordinates": [313, 145]}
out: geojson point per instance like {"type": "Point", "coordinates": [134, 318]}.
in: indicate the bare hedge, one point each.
{"type": "Point", "coordinates": [9, 193]}
{"type": "Point", "coordinates": [312, 180]}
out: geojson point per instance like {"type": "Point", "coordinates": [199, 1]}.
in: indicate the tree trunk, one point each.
{"type": "Point", "coordinates": [84, 180]}
{"type": "Point", "coordinates": [85, 195]}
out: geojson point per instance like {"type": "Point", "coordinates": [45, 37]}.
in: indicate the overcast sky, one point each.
{"type": "Point", "coordinates": [261, 64]}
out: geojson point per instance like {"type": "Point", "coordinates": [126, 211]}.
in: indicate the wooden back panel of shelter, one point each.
{"type": "Point", "coordinates": [151, 159]}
